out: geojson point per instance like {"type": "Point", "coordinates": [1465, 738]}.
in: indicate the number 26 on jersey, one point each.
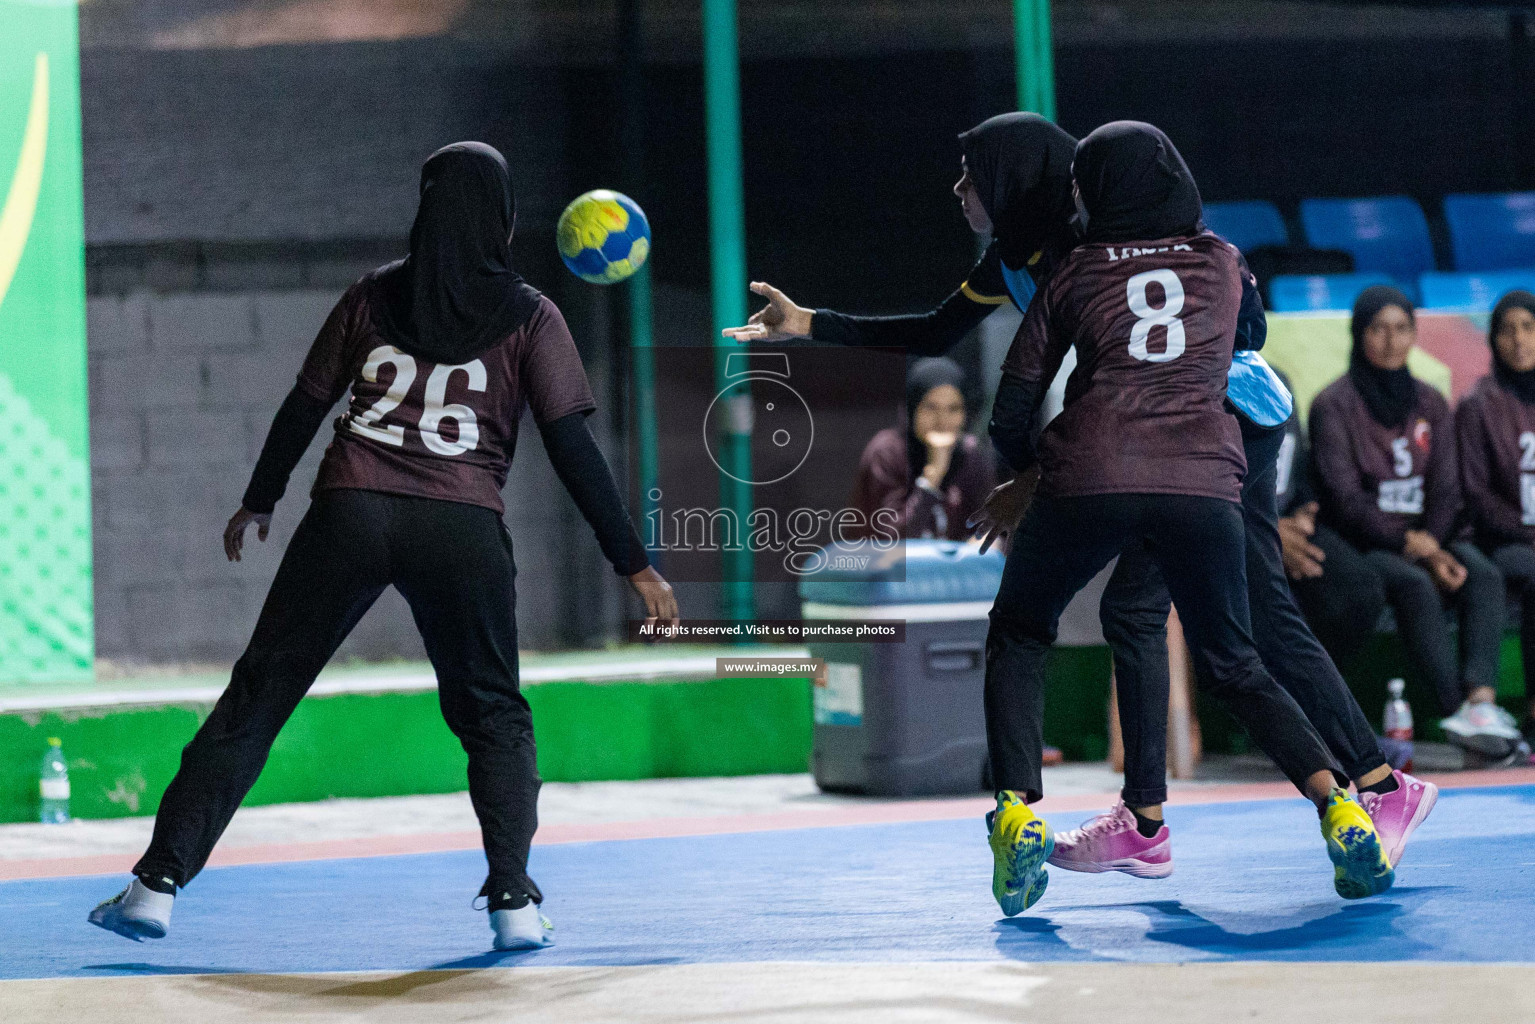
{"type": "Point", "coordinates": [435, 408]}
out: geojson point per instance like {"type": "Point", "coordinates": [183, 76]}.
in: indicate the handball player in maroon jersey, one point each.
{"type": "Point", "coordinates": [441, 353]}
{"type": "Point", "coordinates": [1144, 451]}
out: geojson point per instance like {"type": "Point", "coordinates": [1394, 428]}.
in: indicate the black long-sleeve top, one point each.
{"type": "Point", "coordinates": [925, 334]}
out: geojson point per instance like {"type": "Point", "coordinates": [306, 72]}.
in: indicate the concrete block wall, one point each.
{"type": "Point", "coordinates": [183, 388]}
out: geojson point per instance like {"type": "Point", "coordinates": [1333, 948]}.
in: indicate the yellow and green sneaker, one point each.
{"type": "Point", "coordinates": [1020, 845]}
{"type": "Point", "coordinates": [1360, 867]}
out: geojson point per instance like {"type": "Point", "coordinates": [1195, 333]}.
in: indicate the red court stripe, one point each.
{"type": "Point", "coordinates": [837, 815]}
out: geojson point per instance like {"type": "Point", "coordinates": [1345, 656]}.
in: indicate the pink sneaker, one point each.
{"type": "Point", "coordinates": [1398, 813]}
{"type": "Point", "coordinates": [1110, 842]}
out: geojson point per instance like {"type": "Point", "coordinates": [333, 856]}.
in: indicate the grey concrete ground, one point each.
{"type": "Point", "coordinates": [559, 803]}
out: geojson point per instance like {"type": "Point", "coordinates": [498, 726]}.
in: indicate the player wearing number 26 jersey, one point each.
{"type": "Point", "coordinates": [441, 353]}
{"type": "Point", "coordinates": [1143, 453]}
{"type": "Point", "coordinates": [436, 430]}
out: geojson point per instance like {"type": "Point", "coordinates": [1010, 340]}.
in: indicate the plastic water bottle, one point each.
{"type": "Point", "coordinates": [1398, 723]}
{"type": "Point", "coordinates": [53, 785]}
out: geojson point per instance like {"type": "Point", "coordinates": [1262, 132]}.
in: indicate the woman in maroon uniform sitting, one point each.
{"type": "Point", "coordinates": [1384, 452]}
{"type": "Point", "coordinates": [437, 355]}
{"type": "Point", "coordinates": [928, 473]}
{"type": "Point", "coordinates": [1495, 428]}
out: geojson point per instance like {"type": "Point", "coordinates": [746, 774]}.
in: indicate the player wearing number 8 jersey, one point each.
{"type": "Point", "coordinates": [1144, 452]}
{"type": "Point", "coordinates": [442, 352]}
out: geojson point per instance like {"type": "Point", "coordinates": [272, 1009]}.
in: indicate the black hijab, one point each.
{"type": "Point", "coordinates": [456, 294]}
{"type": "Point", "coordinates": [1522, 384]}
{"type": "Point", "coordinates": [924, 376]}
{"type": "Point", "coordinates": [1021, 167]}
{"type": "Point", "coordinates": [1389, 394]}
{"type": "Point", "coordinates": [1135, 185]}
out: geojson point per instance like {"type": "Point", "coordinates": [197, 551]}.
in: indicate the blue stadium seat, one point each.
{"type": "Point", "coordinates": [1248, 223]}
{"type": "Point", "coordinates": [1492, 232]}
{"type": "Point", "coordinates": [1387, 235]}
{"type": "Point", "coordinates": [1472, 293]}
{"type": "Point", "coordinates": [1294, 293]}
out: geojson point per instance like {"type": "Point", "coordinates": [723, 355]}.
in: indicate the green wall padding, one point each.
{"type": "Point", "coordinates": [363, 745]}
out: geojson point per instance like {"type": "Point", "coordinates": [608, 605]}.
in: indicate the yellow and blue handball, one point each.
{"type": "Point", "coordinates": [603, 236]}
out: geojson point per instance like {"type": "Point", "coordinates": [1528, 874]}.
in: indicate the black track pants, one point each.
{"type": "Point", "coordinates": [1134, 616]}
{"type": "Point", "coordinates": [1198, 545]}
{"type": "Point", "coordinates": [453, 564]}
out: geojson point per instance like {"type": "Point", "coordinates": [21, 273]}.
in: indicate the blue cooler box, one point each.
{"type": "Point", "coordinates": [904, 719]}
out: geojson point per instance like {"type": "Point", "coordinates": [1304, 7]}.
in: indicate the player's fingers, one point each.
{"type": "Point", "coordinates": [774, 295]}
{"type": "Point", "coordinates": [986, 542]}
{"type": "Point", "coordinates": [232, 535]}
{"type": "Point", "coordinates": [263, 527]}
{"type": "Point", "coordinates": [1314, 553]}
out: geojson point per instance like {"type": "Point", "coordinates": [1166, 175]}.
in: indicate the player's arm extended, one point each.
{"type": "Point", "coordinates": [925, 334]}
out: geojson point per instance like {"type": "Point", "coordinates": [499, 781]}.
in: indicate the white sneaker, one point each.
{"type": "Point", "coordinates": [522, 928]}
{"type": "Point", "coordinates": [137, 913]}
{"type": "Point", "coordinates": [1502, 715]}
{"type": "Point", "coordinates": [1483, 727]}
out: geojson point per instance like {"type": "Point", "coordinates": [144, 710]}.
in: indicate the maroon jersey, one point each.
{"type": "Point", "coordinates": [1375, 483]}
{"type": "Point", "coordinates": [1153, 324]}
{"type": "Point", "coordinates": [433, 430]}
{"type": "Point", "coordinates": [1495, 434]}
{"type": "Point", "coordinates": [884, 481]}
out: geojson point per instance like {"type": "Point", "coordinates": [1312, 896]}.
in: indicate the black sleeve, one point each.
{"type": "Point", "coordinates": [294, 426]}
{"type": "Point", "coordinates": [581, 468]}
{"type": "Point", "coordinates": [1252, 325]}
{"type": "Point", "coordinates": [927, 334]}
{"type": "Point", "coordinates": [1012, 420]}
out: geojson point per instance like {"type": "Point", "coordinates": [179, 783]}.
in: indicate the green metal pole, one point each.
{"type": "Point", "coordinates": [1035, 61]}
{"type": "Point", "coordinates": [642, 340]}
{"type": "Point", "coordinates": [727, 246]}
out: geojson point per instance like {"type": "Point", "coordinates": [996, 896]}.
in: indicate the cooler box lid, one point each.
{"type": "Point", "coordinates": [911, 572]}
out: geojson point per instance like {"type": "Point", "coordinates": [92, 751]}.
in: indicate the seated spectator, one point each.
{"type": "Point", "coordinates": [1339, 593]}
{"type": "Point", "coordinates": [930, 472]}
{"type": "Point", "coordinates": [1384, 453]}
{"type": "Point", "coordinates": [1495, 427]}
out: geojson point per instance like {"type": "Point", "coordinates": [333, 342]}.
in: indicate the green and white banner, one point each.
{"type": "Point", "coordinates": [46, 626]}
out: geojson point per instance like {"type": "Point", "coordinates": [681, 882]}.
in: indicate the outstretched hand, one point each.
{"type": "Point", "coordinates": [778, 320]}
{"type": "Point", "coordinates": [1004, 508]}
{"type": "Point", "coordinates": [660, 602]}
{"type": "Point", "coordinates": [234, 533]}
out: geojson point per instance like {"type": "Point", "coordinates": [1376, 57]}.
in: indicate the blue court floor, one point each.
{"type": "Point", "coordinates": [1252, 883]}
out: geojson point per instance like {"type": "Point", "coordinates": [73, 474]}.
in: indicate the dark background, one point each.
{"type": "Point", "coordinates": [242, 168]}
